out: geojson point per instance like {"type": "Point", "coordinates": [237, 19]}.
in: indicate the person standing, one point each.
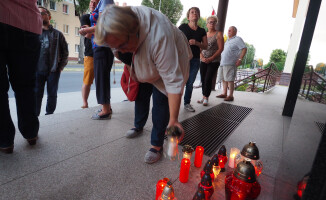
{"type": "Point", "coordinates": [234, 51]}
{"type": "Point", "coordinates": [88, 58]}
{"type": "Point", "coordinates": [103, 61]}
{"type": "Point", "coordinates": [53, 58]}
{"type": "Point", "coordinates": [197, 40]}
{"type": "Point", "coordinates": [210, 59]}
{"type": "Point", "coordinates": [20, 27]}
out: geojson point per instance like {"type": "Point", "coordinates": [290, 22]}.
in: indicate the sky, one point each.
{"type": "Point", "coordinates": [266, 24]}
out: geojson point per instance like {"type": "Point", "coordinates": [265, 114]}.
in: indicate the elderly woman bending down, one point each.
{"type": "Point", "coordinates": [161, 56]}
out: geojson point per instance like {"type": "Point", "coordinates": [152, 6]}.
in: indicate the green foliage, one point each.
{"type": "Point", "coordinates": [278, 56]}
{"type": "Point", "coordinates": [201, 23]}
{"type": "Point", "coordinates": [242, 87]}
{"type": "Point", "coordinates": [171, 8]}
{"type": "Point", "coordinates": [81, 6]}
{"type": "Point", "coordinates": [249, 57]}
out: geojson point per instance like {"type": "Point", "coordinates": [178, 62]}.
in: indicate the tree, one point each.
{"type": "Point", "coordinates": [278, 56]}
{"type": "Point", "coordinates": [171, 8]}
{"type": "Point", "coordinates": [201, 23]}
{"type": "Point", "coordinates": [321, 68]}
{"type": "Point", "coordinates": [249, 57]}
{"type": "Point", "coordinates": [260, 62]}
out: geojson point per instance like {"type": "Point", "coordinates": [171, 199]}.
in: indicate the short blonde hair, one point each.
{"type": "Point", "coordinates": [212, 17]}
{"type": "Point", "coordinates": [116, 20]}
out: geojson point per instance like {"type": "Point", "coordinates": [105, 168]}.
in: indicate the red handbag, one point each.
{"type": "Point", "coordinates": [129, 86]}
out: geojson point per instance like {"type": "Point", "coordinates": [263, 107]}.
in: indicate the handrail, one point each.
{"type": "Point", "coordinates": [313, 86]}
{"type": "Point", "coordinates": [268, 76]}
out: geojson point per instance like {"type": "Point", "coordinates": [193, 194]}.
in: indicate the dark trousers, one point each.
{"type": "Point", "coordinates": [52, 83]}
{"type": "Point", "coordinates": [207, 72]}
{"type": "Point", "coordinates": [19, 53]}
{"type": "Point", "coordinates": [160, 112]}
{"type": "Point", "coordinates": [103, 60]}
{"type": "Point", "coordinates": [194, 67]}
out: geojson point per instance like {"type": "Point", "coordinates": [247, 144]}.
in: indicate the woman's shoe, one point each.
{"type": "Point", "coordinates": [153, 155]}
{"type": "Point", "coordinates": [7, 150]}
{"type": "Point", "coordinates": [96, 116]}
{"type": "Point", "coordinates": [32, 141]}
{"type": "Point", "coordinates": [205, 102]}
{"type": "Point", "coordinates": [200, 101]}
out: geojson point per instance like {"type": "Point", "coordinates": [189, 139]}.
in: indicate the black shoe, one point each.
{"type": "Point", "coordinates": [48, 113]}
{"type": "Point", "coordinates": [32, 141]}
{"type": "Point", "coordinates": [7, 150]}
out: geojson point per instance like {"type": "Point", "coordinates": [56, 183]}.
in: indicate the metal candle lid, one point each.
{"type": "Point", "coordinates": [200, 195]}
{"type": "Point", "coordinates": [208, 166]}
{"type": "Point", "coordinates": [173, 131]}
{"type": "Point", "coordinates": [206, 180]}
{"type": "Point", "coordinates": [245, 171]}
{"type": "Point", "coordinates": [250, 151]}
{"type": "Point", "coordinates": [168, 192]}
{"type": "Point", "coordinates": [222, 151]}
{"type": "Point", "coordinates": [215, 160]}
{"type": "Point", "coordinates": [187, 149]}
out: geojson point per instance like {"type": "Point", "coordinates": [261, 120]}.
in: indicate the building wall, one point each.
{"type": "Point", "coordinates": [59, 19]}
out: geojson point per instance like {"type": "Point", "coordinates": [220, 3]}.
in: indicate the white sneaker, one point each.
{"type": "Point", "coordinates": [200, 101]}
{"type": "Point", "coordinates": [205, 102]}
{"type": "Point", "coordinates": [189, 108]}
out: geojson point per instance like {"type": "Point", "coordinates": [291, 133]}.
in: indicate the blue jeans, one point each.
{"type": "Point", "coordinates": [52, 83]}
{"type": "Point", "coordinates": [160, 112]}
{"type": "Point", "coordinates": [19, 53]}
{"type": "Point", "coordinates": [194, 67]}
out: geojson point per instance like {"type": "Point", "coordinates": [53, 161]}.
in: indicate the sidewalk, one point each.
{"type": "Point", "coordinates": [79, 158]}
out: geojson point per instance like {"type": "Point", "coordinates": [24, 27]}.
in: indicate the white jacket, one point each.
{"type": "Point", "coordinates": [163, 54]}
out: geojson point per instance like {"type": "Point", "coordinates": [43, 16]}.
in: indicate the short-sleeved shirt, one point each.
{"type": "Point", "coordinates": [84, 20]}
{"type": "Point", "coordinates": [197, 34]}
{"type": "Point", "coordinates": [95, 14]}
{"type": "Point", "coordinates": [232, 49]}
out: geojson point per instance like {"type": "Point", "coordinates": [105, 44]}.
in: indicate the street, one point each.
{"type": "Point", "coordinates": [71, 79]}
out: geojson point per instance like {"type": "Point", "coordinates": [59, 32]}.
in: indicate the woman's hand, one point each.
{"type": "Point", "coordinates": [192, 42]}
{"type": "Point", "coordinates": [177, 124]}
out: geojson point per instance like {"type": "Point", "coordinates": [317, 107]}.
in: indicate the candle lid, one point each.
{"type": "Point", "coordinates": [168, 192]}
{"type": "Point", "coordinates": [199, 195]}
{"type": "Point", "coordinates": [215, 160]}
{"type": "Point", "coordinates": [206, 180]}
{"type": "Point", "coordinates": [222, 151]}
{"type": "Point", "coordinates": [245, 171]}
{"type": "Point", "coordinates": [208, 167]}
{"type": "Point", "coordinates": [250, 151]}
{"type": "Point", "coordinates": [187, 148]}
{"type": "Point", "coordinates": [173, 131]}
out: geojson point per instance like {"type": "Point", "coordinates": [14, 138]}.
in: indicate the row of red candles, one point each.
{"type": "Point", "coordinates": [185, 168]}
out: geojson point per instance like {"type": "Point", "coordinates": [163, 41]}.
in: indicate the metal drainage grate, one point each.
{"type": "Point", "coordinates": [211, 127]}
{"type": "Point", "coordinates": [321, 127]}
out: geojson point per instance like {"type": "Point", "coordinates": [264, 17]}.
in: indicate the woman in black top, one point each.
{"type": "Point", "coordinates": [197, 41]}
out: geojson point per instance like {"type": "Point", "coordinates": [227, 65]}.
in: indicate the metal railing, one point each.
{"type": "Point", "coordinates": [261, 81]}
{"type": "Point", "coordinates": [313, 86]}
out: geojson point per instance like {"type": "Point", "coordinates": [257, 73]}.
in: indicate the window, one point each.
{"type": "Point", "coordinates": [77, 31]}
{"type": "Point", "coordinates": [76, 48]}
{"type": "Point", "coordinates": [40, 2]}
{"type": "Point", "coordinates": [65, 29]}
{"type": "Point", "coordinates": [53, 5]}
{"type": "Point", "coordinates": [65, 8]}
{"type": "Point", "coordinates": [54, 24]}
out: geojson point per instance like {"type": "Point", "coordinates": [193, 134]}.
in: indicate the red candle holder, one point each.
{"type": "Point", "coordinates": [207, 186]}
{"type": "Point", "coordinates": [209, 169]}
{"type": "Point", "coordinates": [184, 170]}
{"type": "Point", "coordinates": [160, 186]}
{"type": "Point", "coordinates": [199, 156]}
{"type": "Point", "coordinates": [302, 185]}
{"type": "Point", "coordinates": [242, 184]}
{"type": "Point", "coordinates": [222, 158]}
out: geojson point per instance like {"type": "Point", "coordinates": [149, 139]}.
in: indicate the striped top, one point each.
{"type": "Point", "coordinates": [22, 14]}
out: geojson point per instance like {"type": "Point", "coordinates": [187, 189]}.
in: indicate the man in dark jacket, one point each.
{"type": "Point", "coordinates": [53, 58]}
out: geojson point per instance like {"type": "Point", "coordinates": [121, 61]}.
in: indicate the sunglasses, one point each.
{"type": "Point", "coordinates": [44, 13]}
{"type": "Point", "coordinates": [212, 22]}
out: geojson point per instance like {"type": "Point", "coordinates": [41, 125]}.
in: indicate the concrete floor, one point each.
{"type": "Point", "coordinates": [78, 158]}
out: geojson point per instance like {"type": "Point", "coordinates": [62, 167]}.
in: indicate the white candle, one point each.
{"type": "Point", "coordinates": [233, 153]}
{"type": "Point", "coordinates": [172, 149]}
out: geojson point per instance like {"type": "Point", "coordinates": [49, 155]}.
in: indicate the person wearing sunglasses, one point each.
{"type": "Point", "coordinates": [210, 58]}
{"type": "Point", "coordinates": [161, 56]}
